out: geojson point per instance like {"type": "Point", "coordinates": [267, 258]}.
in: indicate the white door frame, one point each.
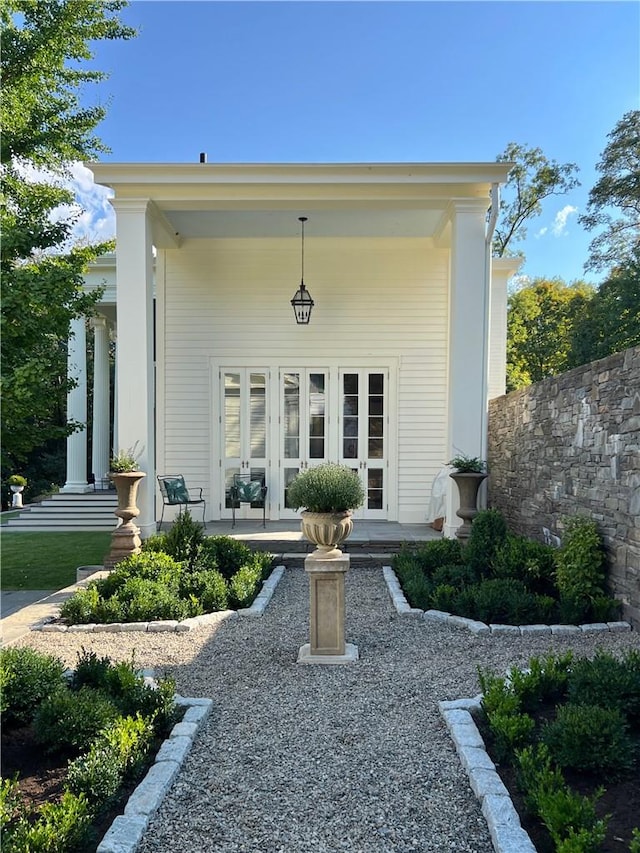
{"type": "Point", "coordinates": [274, 474]}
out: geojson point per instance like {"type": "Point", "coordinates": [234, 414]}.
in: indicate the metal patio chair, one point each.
{"type": "Point", "coordinates": [175, 493]}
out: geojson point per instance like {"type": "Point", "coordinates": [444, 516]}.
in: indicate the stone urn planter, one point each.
{"type": "Point", "coordinates": [468, 477]}
{"type": "Point", "coordinates": [329, 493]}
{"type": "Point", "coordinates": [327, 530]}
{"type": "Point", "coordinates": [16, 484]}
{"type": "Point", "coordinates": [125, 539]}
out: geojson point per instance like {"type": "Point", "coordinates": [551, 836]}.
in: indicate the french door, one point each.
{"type": "Point", "coordinates": [363, 434]}
{"type": "Point", "coordinates": [244, 418]}
{"type": "Point", "coordinates": [275, 422]}
{"type": "Point", "coordinates": [304, 434]}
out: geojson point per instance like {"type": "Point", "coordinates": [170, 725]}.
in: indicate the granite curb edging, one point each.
{"type": "Point", "coordinates": [503, 821]}
{"type": "Point", "coordinates": [126, 832]}
{"type": "Point", "coordinates": [403, 608]}
{"type": "Point", "coordinates": [257, 608]}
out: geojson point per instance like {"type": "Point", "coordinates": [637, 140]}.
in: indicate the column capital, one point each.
{"type": "Point", "coordinates": [476, 206]}
{"type": "Point", "coordinates": [98, 321]}
{"type": "Point", "coordinates": [130, 205]}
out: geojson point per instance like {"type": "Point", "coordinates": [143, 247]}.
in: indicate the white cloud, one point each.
{"type": "Point", "coordinates": [559, 227]}
{"type": "Point", "coordinates": [94, 219]}
{"type": "Point", "coordinates": [541, 232]}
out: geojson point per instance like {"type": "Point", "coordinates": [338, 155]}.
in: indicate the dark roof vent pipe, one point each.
{"type": "Point", "coordinates": [203, 157]}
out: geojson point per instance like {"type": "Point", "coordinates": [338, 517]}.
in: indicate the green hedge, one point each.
{"type": "Point", "coordinates": [561, 715]}
{"type": "Point", "coordinates": [217, 573]}
{"type": "Point", "coordinates": [506, 579]}
{"type": "Point", "coordinates": [106, 719]}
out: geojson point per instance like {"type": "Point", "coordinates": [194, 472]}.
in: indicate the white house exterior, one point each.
{"type": "Point", "coordinates": [392, 375]}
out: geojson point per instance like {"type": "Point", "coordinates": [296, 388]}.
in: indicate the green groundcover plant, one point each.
{"type": "Point", "coordinates": [179, 574]}
{"type": "Point", "coordinates": [501, 578]}
{"type": "Point", "coordinates": [566, 719]}
{"type": "Point", "coordinates": [105, 721]}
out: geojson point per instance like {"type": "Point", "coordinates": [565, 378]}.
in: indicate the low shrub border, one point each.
{"type": "Point", "coordinates": [403, 608]}
{"type": "Point", "coordinates": [121, 747]}
{"type": "Point", "coordinates": [503, 579]}
{"type": "Point", "coordinates": [257, 608]}
{"type": "Point", "coordinates": [594, 729]}
{"type": "Point", "coordinates": [127, 830]}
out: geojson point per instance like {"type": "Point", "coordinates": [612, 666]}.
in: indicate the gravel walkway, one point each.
{"type": "Point", "coordinates": [298, 758]}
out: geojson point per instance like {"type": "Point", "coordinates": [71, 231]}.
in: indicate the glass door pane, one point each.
{"type": "Point", "coordinates": [363, 425]}
{"type": "Point", "coordinates": [303, 427]}
{"type": "Point", "coordinates": [244, 432]}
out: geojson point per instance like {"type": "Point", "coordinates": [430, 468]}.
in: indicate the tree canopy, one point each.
{"type": "Point", "coordinates": [617, 189]}
{"type": "Point", "coordinates": [532, 179]}
{"type": "Point", "coordinates": [541, 325]}
{"type": "Point", "coordinates": [45, 127]}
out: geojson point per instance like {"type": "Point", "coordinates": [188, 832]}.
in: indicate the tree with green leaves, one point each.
{"type": "Point", "coordinates": [611, 320]}
{"type": "Point", "coordinates": [532, 179]}
{"type": "Point", "coordinates": [541, 326]}
{"type": "Point", "coordinates": [45, 127]}
{"type": "Point", "coordinates": [617, 189]}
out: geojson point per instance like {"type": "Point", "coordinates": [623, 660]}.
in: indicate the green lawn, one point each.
{"type": "Point", "coordinates": [4, 518]}
{"type": "Point", "coordinates": [49, 560]}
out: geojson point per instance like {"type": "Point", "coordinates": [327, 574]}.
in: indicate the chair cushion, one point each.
{"type": "Point", "coordinates": [249, 492]}
{"type": "Point", "coordinates": [176, 491]}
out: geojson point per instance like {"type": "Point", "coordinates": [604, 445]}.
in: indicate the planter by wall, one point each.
{"type": "Point", "coordinates": [468, 486]}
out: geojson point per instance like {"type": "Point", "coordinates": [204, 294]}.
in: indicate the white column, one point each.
{"type": "Point", "coordinates": [100, 423]}
{"type": "Point", "coordinates": [77, 409]}
{"type": "Point", "coordinates": [468, 341]}
{"type": "Point", "coordinates": [502, 270]}
{"type": "Point", "coordinates": [115, 440]}
{"type": "Point", "coordinates": [135, 393]}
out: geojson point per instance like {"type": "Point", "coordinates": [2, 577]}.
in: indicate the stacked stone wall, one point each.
{"type": "Point", "coordinates": [571, 445]}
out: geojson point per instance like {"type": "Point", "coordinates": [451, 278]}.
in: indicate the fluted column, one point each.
{"type": "Point", "coordinates": [100, 423]}
{"type": "Point", "coordinates": [77, 409]}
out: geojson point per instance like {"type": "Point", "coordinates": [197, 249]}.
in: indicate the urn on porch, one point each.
{"type": "Point", "coordinates": [469, 474]}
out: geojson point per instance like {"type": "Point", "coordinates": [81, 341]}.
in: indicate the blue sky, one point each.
{"type": "Point", "coordinates": [377, 81]}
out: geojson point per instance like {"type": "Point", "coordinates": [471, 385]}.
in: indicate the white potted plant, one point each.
{"type": "Point", "coordinates": [469, 473]}
{"type": "Point", "coordinates": [329, 493]}
{"type": "Point", "coordinates": [17, 483]}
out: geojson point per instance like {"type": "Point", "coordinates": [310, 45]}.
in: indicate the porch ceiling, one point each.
{"type": "Point", "coordinates": [322, 223]}
{"type": "Point", "coordinates": [253, 200]}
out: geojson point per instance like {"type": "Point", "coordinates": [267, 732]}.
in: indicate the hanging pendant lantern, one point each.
{"type": "Point", "coordinates": [302, 302]}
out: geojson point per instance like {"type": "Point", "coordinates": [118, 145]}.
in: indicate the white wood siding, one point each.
{"type": "Point", "coordinates": [229, 299]}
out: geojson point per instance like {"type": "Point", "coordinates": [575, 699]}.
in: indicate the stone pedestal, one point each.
{"type": "Point", "coordinates": [326, 611]}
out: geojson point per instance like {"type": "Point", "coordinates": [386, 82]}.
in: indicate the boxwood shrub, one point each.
{"type": "Point", "coordinates": [219, 572]}
{"type": "Point", "coordinates": [106, 718]}
{"type": "Point", "coordinates": [537, 725]}
{"type": "Point", "coordinates": [498, 577]}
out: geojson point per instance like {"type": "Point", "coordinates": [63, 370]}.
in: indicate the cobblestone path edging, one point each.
{"type": "Point", "coordinates": [126, 831]}
{"type": "Point", "coordinates": [503, 820]}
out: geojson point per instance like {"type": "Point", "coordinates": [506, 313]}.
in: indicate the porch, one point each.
{"type": "Point", "coordinates": [370, 541]}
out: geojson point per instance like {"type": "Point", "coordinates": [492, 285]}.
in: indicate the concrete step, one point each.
{"type": "Point", "coordinates": [68, 512]}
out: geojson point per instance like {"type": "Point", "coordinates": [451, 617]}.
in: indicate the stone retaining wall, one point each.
{"type": "Point", "coordinates": [568, 445]}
